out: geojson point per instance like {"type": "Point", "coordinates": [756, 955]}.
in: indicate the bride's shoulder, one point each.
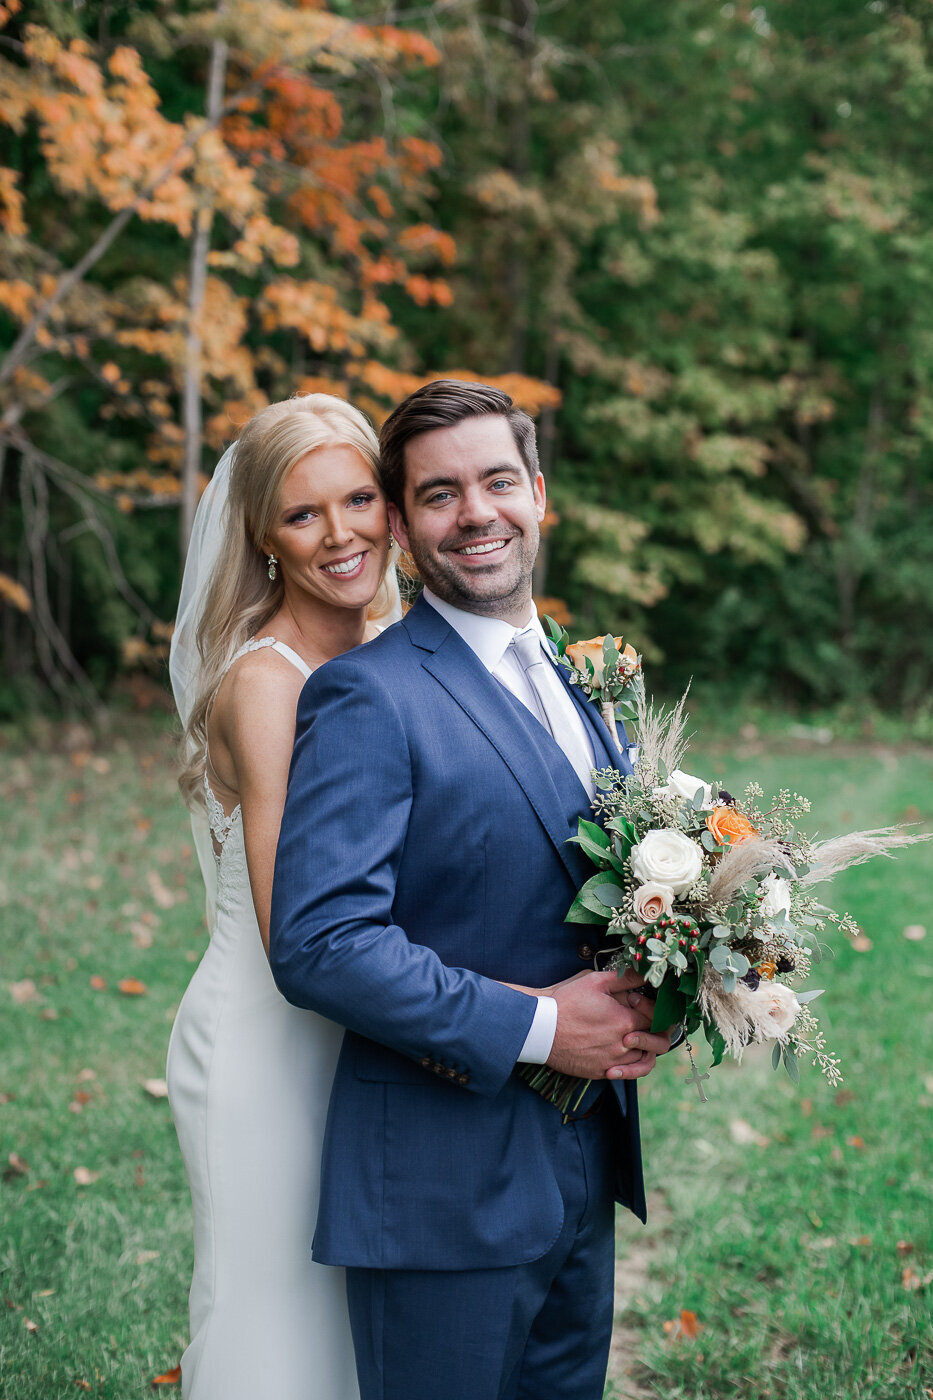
{"type": "Point", "coordinates": [259, 681]}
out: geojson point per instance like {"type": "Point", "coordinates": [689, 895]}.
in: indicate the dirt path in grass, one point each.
{"type": "Point", "coordinates": [635, 1255]}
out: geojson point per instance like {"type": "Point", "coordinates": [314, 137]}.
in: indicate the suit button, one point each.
{"type": "Point", "coordinates": [463, 1079]}
{"type": "Point", "coordinates": [438, 1069]}
{"type": "Point", "coordinates": [451, 1074]}
{"type": "Point", "coordinates": [425, 1063]}
{"type": "Point", "coordinates": [586, 952]}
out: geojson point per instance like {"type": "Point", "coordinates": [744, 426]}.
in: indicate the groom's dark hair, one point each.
{"type": "Point", "coordinates": [442, 404]}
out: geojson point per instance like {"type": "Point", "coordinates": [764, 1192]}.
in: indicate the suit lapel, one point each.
{"type": "Point", "coordinates": [457, 668]}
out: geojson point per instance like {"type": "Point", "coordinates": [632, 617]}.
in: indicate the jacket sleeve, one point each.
{"type": "Point", "coordinates": [333, 945]}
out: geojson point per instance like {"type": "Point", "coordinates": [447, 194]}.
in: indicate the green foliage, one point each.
{"type": "Point", "coordinates": [709, 226]}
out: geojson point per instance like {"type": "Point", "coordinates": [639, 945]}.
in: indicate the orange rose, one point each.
{"type": "Point", "coordinates": [730, 826]}
{"type": "Point", "coordinates": [578, 651]}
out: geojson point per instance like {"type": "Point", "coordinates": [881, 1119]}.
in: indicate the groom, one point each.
{"type": "Point", "coordinates": [422, 881]}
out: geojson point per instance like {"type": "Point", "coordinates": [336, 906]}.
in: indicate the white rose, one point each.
{"type": "Point", "coordinates": [667, 858]}
{"type": "Point", "coordinates": [781, 1006]}
{"type": "Point", "coordinates": [652, 900]}
{"type": "Point", "coordinates": [776, 896]}
{"type": "Point", "coordinates": [681, 784]}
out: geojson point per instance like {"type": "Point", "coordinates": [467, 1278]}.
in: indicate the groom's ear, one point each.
{"type": "Point", "coordinates": [397, 525]}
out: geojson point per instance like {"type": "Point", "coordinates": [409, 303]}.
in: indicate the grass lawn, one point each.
{"type": "Point", "coordinates": [795, 1224]}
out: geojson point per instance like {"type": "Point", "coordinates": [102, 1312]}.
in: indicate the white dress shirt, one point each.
{"type": "Point", "coordinates": [490, 638]}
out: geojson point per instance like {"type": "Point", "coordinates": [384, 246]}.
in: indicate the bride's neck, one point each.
{"type": "Point", "coordinates": [317, 630]}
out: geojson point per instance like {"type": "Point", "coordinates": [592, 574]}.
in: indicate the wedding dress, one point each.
{"type": "Point", "coordinates": [249, 1080]}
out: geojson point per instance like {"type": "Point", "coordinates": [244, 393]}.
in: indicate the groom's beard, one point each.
{"type": "Point", "coordinates": [491, 589]}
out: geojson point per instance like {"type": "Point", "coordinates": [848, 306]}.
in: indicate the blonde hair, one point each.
{"type": "Point", "coordinates": [241, 598]}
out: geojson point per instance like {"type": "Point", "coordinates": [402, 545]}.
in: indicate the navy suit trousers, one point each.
{"type": "Point", "coordinates": [538, 1331]}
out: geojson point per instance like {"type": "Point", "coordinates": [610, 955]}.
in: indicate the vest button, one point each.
{"type": "Point", "coordinates": [586, 952]}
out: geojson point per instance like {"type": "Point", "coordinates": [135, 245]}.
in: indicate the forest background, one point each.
{"type": "Point", "coordinates": [692, 238]}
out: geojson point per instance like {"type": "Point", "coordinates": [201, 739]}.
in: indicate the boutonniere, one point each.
{"type": "Point", "coordinates": [604, 670]}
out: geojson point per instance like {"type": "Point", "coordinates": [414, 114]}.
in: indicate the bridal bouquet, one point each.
{"type": "Point", "coordinates": [710, 897]}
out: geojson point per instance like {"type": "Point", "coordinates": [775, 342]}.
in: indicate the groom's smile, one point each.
{"type": "Point", "coordinates": [471, 516]}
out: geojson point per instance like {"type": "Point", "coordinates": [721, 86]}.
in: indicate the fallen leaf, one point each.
{"type": "Point", "coordinates": [861, 943]}
{"type": "Point", "coordinates": [36, 1185]}
{"type": "Point", "coordinates": [913, 1282]}
{"type": "Point", "coordinates": [806, 1107]}
{"type": "Point", "coordinates": [687, 1325]}
{"type": "Point", "coordinates": [82, 1096]}
{"type": "Point", "coordinates": [7, 1098]}
{"type": "Point", "coordinates": [855, 1142]}
{"type": "Point", "coordinates": [904, 1247]}
{"type": "Point", "coordinates": [862, 1240]}
{"type": "Point", "coordinates": [98, 983]}
{"type": "Point", "coordinates": [171, 1377]}
{"type": "Point", "coordinates": [30, 1325]}
{"type": "Point", "coordinates": [745, 1135]}
{"type": "Point", "coordinates": [843, 1097]}
{"type": "Point", "coordinates": [82, 1385]}
{"type": "Point", "coordinates": [84, 1076]}
{"type": "Point", "coordinates": [48, 1014]}
{"type": "Point", "coordinates": [143, 824]}
{"type": "Point", "coordinates": [820, 1131]}
{"type": "Point", "coordinates": [132, 987]}
{"type": "Point", "coordinates": [24, 991]}
{"type": "Point", "coordinates": [160, 893]}
{"type": "Point", "coordinates": [94, 882]}
{"type": "Point", "coordinates": [155, 1088]}
{"type": "Point", "coordinates": [915, 933]}
{"type": "Point", "coordinates": [18, 1166]}
{"type": "Point", "coordinates": [45, 1293]}
{"type": "Point", "coordinates": [146, 1256]}
{"type": "Point", "coordinates": [84, 1176]}
{"type": "Point", "coordinates": [142, 935]}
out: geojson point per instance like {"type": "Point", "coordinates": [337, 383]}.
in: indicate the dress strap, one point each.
{"type": "Point", "coordinates": [284, 650]}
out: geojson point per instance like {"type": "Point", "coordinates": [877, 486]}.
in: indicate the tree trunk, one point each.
{"type": "Point", "coordinates": [197, 283]}
{"type": "Point", "coordinates": [523, 14]}
{"type": "Point", "coordinates": [547, 443]}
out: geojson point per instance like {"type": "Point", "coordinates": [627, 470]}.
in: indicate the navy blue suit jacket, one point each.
{"type": "Point", "coordinates": [423, 860]}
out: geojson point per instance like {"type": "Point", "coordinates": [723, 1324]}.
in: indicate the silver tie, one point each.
{"type": "Point", "coordinates": [527, 646]}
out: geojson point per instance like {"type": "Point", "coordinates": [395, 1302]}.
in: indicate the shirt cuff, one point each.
{"type": "Point", "coordinates": [540, 1038]}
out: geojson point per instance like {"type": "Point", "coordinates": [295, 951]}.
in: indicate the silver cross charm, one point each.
{"type": "Point", "coordinates": [695, 1076]}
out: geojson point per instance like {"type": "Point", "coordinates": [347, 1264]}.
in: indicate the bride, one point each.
{"type": "Point", "coordinates": [290, 565]}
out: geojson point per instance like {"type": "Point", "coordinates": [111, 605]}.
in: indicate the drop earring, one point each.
{"type": "Point", "coordinates": [392, 539]}
{"type": "Point", "coordinates": [272, 563]}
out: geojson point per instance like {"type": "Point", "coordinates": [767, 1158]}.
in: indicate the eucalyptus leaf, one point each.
{"type": "Point", "coordinates": [791, 1065]}
{"type": "Point", "coordinates": [804, 997]}
{"type": "Point", "coordinates": [656, 946]}
{"type": "Point", "coordinates": [609, 894]}
{"type": "Point", "coordinates": [776, 1055]}
{"type": "Point", "coordinates": [729, 980]}
{"type": "Point", "coordinates": [722, 931]}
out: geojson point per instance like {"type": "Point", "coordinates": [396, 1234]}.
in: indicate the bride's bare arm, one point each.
{"type": "Point", "coordinates": [252, 730]}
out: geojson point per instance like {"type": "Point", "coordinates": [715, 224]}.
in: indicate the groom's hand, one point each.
{"type": "Point", "coordinates": [597, 1012]}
